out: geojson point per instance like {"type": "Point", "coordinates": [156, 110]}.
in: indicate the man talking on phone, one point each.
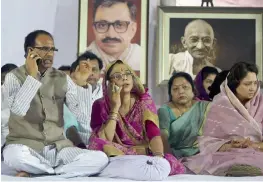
{"type": "Point", "coordinates": [36, 94]}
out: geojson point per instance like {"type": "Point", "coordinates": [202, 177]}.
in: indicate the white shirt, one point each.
{"type": "Point", "coordinates": [78, 100]}
{"type": "Point", "coordinates": [5, 114]}
{"type": "Point", "coordinates": [183, 61]}
{"type": "Point", "coordinates": [132, 55]}
{"type": "Point", "coordinates": [84, 128]}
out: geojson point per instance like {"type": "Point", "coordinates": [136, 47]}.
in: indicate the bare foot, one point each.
{"type": "Point", "coordinates": [22, 174]}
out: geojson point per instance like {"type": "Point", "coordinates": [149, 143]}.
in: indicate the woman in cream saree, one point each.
{"type": "Point", "coordinates": [231, 140]}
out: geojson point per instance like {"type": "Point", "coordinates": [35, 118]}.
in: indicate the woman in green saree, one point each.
{"type": "Point", "coordinates": [182, 117]}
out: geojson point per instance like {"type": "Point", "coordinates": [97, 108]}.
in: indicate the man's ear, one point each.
{"type": "Point", "coordinates": [214, 42]}
{"type": "Point", "coordinates": [183, 41]}
{"type": "Point", "coordinates": [133, 30]}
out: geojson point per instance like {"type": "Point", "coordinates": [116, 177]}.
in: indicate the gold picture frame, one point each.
{"type": "Point", "coordinates": [224, 16]}
{"type": "Point", "coordinates": [86, 22]}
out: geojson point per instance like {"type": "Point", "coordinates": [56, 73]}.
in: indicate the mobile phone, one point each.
{"type": "Point", "coordinates": [29, 49]}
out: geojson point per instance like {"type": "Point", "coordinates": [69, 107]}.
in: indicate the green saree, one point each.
{"type": "Point", "coordinates": [183, 131]}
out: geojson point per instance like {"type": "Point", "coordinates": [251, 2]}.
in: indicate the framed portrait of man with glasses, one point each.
{"type": "Point", "coordinates": [115, 29]}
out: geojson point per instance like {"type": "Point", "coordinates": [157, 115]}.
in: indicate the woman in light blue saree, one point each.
{"type": "Point", "coordinates": [182, 117]}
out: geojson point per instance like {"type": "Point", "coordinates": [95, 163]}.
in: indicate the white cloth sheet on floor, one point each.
{"type": "Point", "coordinates": [8, 175]}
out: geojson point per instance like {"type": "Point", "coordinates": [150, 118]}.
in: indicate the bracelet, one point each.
{"type": "Point", "coordinates": [112, 112]}
{"type": "Point", "coordinates": [158, 153]}
{"type": "Point", "coordinates": [113, 117]}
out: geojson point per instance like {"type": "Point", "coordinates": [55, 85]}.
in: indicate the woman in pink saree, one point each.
{"type": "Point", "coordinates": [231, 141]}
{"type": "Point", "coordinates": [125, 122]}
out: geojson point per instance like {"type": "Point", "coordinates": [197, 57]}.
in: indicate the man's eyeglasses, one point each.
{"type": "Point", "coordinates": [119, 26]}
{"type": "Point", "coordinates": [119, 76]}
{"type": "Point", "coordinates": [47, 49]}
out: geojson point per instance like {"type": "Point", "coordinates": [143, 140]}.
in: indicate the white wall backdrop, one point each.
{"type": "Point", "coordinates": [19, 17]}
{"type": "Point", "coordinates": [60, 17]}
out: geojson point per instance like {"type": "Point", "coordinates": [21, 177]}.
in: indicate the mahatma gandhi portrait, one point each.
{"type": "Point", "coordinates": [114, 27]}
{"type": "Point", "coordinates": [195, 43]}
{"type": "Point", "coordinates": [198, 42]}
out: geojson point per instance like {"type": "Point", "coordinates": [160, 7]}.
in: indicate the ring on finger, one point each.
{"type": "Point", "coordinates": [117, 88]}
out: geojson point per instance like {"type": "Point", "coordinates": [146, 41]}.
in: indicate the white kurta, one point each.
{"type": "Point", "coordinates": [5, 114]}
{"type": "Point", "coordinates": [132, 55]}
{"type": "Point", "coordinates": [84, 128]}
{"type": "Point", "coordinates": [183, 61]}
{"type": "Point", "coordinates": [70, 160]}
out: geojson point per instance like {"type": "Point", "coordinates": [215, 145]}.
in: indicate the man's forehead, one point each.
{"type": "Point", "coordinates": [93, 62]}
{"type": "Point", "coordinates": [199, 32]}
{"type": "Point", "coordinates": [199, 27]}
{"type": "Point", "coordinates": [44, 39]}
{"type": "Point", "coordinates": [118, 11]}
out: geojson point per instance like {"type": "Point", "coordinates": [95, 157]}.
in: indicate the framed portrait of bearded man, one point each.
{"type": "Point", "coordinates": [115, 29]}
{"type": "Point", "coordinates": [190, 38]}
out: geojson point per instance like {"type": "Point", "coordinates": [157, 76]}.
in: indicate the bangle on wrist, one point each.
{"type": "Point", "coordinates": [158, 153]}
{"type": "Point", "coordinates": [114, 112]}
{"type": "Point", "coordinates": [113, 117]}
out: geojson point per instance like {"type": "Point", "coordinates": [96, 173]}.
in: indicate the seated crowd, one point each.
{"type": "Point", "coordinates": [65, 122]}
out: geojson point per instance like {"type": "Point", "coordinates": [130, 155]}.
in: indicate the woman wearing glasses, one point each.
{"type": "Point", "coordinates": [125, 127]}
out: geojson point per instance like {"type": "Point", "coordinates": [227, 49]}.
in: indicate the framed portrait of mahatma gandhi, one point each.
{"type": "Point", "coordinates": [115, 29]}
{"type": "Point", "coordinates": [191, 38]}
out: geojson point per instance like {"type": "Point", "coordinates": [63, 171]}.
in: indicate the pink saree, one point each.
{"type": "Point", "coordinates": [133, 131]}
{"type": "Point", "coordinates": [228, 119]}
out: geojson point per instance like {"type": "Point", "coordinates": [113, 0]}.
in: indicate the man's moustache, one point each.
{"type": "Point", "coordinates": [108, 39]}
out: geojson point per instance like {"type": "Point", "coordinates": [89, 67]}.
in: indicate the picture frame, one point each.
{"type": "Point", "coordinates": [87, 36]}
{"type": "Point", "coordinates": [237, 31]}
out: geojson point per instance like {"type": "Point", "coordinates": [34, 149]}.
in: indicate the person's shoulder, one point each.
{"type": "Point", "coordinates": [58, 72]}
{"type": "Point", "coordinates": [179, 55]}
{"type": "Point", "coordinates": [203, 103]}
{"type": "Point", "coordinates": [178, 58]}
{"type": "Point", "coordinates": [99, 101]}
{"type": "Point", "coordinates": [136, 49]}
{"type": "Point", "coordinates": [18, 69]}
{"type": "Point", "coordinates": [136, 46]}
{"type": "Point", "coordinates": [164, 107]}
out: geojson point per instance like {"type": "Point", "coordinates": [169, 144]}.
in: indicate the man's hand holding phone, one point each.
{"type": "Point", "coordinates": [31, 63]}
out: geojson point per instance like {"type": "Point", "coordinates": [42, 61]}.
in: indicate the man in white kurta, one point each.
{"type": "Point", "coordinates": [199, 42]}
{"type": "Point", "coordinates": [36, 96]}
{"type": "Point", "coordinates": [80, 134]}
{"type": "Point", "coordinates": [114, 27]}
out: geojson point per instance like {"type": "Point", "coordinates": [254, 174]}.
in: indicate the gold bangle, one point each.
{"type": "Point", "coordinates": [113, 117]}
{"type": "Point", "coordinates": [112, 112]}
{"type": "Point", "coordinates": [158, 153]}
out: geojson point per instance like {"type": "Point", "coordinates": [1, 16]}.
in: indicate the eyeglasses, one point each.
{"type": "Point", "coordinates": [119, 76]}
{"type": "Point", "coordinates": [47, 49]}
{"type": "Point", "coordinates": [119, 26]}
{"type": "Point", "coordinates": [206, 41]}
